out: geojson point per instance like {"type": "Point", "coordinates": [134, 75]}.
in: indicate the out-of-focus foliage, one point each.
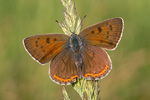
{"type": "Point", "coordinates": [21, 78]}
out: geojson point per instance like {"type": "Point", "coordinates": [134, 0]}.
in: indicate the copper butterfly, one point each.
{"type": "Point", "coordinates": [77, 56]}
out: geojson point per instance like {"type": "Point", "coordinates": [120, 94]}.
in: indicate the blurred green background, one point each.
{"type": "Point", "coordinates": [22, 78]}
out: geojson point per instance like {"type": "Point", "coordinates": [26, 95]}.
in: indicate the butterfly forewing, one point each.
{"type": "Point", "coordinates": [45, 47]}
{"type": "Point", "coordinates": [63, 69]}
{"type": "Point", "coordinates": [105, 34]}
{"type": "Point", "coordinates": [96, 62]}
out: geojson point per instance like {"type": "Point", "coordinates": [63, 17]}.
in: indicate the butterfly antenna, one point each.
{"type": "Point", "coordinates": [81, 23]}
{"type": "Point", "coordinates": [82, 20]}
{"type": "Point", "coordinates": [57, 21]}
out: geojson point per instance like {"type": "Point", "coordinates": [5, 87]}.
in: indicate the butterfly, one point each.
{"type": "Point", "coordinates": [77, 56]}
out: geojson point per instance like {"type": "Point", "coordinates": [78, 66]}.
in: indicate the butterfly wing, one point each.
{"type": "Point", "coordinates": [63, 69]}
{"type": "Point", "coordinates": [45, 47]}
{"type": "Point", "coordinates": [105, 34]}
{"type": "Point", "coordinates": [96, 62]}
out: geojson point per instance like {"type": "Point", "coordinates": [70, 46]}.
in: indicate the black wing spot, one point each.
{"type": "Point", "coordinates": [92, 31]}
{"type": "Point", "coordinates": [99, 29]}
{"type": "Point", "coordinates": [101, 41]}
{"type": "Point", "coordinates": [111, 43]}
{"type": "Point", "coordinates": [48, 40]}
{"type": "Point", "coordinates": [110, 27]}
{"type": "Point", "coordinates": [55, 39]}
{"type": "Point", "coordinates": [36, 42]}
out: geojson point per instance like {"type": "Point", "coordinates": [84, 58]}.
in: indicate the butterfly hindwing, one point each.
{"type": "Point", "coordinates": [45, 47]}
{"type": "Point", "coordinates": [105, 34]}
{"type": "Point", "coordinates": [96, 62]}
{"type": "Point", "coordinates": [63, 69]}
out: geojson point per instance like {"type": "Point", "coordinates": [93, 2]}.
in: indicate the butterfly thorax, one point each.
{"type": "Point", "coordinates": [75, 43]}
